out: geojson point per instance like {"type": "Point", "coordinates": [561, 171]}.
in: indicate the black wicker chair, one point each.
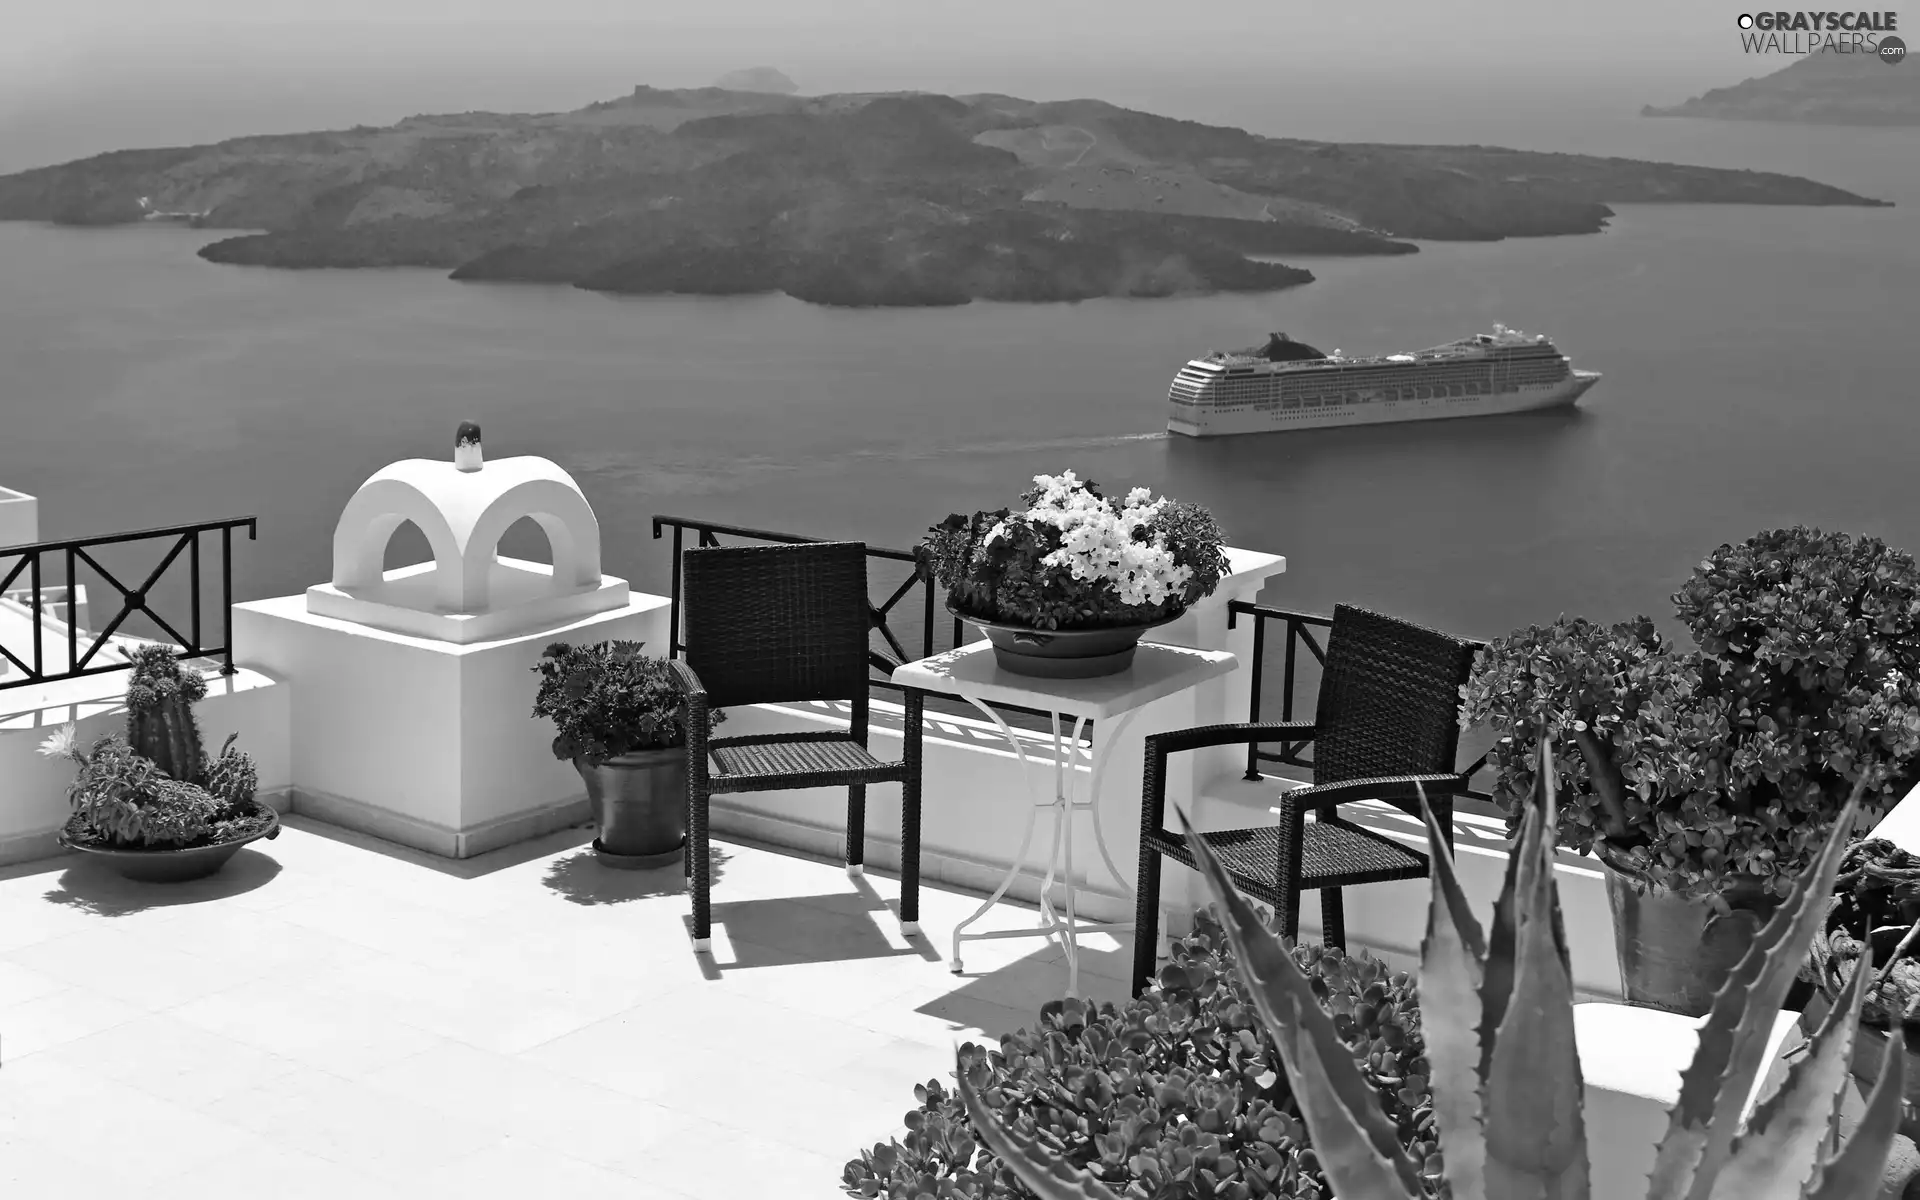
{"type": "Point", "coordinates": [778, 624]}
{"type": "Point", "coordinates": [1387, 719]}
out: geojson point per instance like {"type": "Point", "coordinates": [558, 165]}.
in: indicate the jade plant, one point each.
{"type": "Point", "coordinates": [154, 786]}
{"type": "Point", "coordinates": [1503, 1070]}
{"type": "Point", "coordinates": [1695, 770]}
{"type": "Point", "coordinates": [1177, 1093]}
{"type": "Point", "coordinates": [609, 699]}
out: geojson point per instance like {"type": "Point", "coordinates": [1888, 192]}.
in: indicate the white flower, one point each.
{"type": "Point", "coordinates": [63, 742]}
{"type": "Point", "coordinates": [1099, 544]}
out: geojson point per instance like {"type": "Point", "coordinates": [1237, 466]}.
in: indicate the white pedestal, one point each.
{"type": "Point", "coordinates": [425, 742]}
{"type": "Point", "coordinates": [971, 672]}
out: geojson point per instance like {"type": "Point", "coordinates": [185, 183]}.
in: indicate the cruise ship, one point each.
{"type": "Point", "coordinates": [1290, 385]}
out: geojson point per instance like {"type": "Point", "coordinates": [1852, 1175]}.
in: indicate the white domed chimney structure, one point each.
{"type": "Point", "coordinates": [467, 593]}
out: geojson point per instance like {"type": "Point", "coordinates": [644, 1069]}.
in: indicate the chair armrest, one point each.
{"type": "Point", "coordinates": [1391, 788]}
{"type": "Point", "coordinates": [1153, 785]}
{"type": "Point", "coordinates": [1401, 791]}
{"type": "Point", "coordinates": [1241, 733]}
{"type": "Point", "coordinates": [689, 681]}
{"type": "Point", "coordinates": [699, 724]}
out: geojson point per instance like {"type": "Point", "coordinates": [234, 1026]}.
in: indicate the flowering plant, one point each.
{"type": "Point", "coordinates": [1698, 769]}
{"type": "Point", "coordinates": [609, 699]}
{"type": "Point", "coordinates": [1072, 558]}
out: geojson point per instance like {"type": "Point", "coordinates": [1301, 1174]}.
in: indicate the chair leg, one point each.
{"type": "Point", "coordinates": [1146, 919]}
{"type": "Point", "coordinates": [910, 855]}
{"type": "Point", "coordinates": [1288, 917]}
{"type": "Point", "coordinates": [1333, 919]}
{"type": "Point", "coordinates": [700, 865]}
{"type": "Point", "coordinates": [857, 829]}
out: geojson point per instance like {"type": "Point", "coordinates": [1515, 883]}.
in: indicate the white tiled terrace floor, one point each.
{"type": "Point", "coordinates": [335, 1017]}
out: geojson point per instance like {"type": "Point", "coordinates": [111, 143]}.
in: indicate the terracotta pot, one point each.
{"type": "Point", "coordinates": [1674, 952]}
{"type": "Point", "coordinates": [168, 864]}
{"type": "Point", "coordinates": [640, 806]}
{"type": "Point", "coordinates": [1063, 653]}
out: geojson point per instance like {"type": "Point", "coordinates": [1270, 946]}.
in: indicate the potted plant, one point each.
{"type": "Point", "coordinates": [622, 722]}
{"type": "Point", "coordinates": [1705, 780]}
{"type": "Point", "coordinates": [1500, 1096]}
{"type": "Point", "coordinates": [1873, 919]}
{"type": "Point", "coordinates": [151, 804]}
{"type": "Point", "coordinates": [1065, 586]}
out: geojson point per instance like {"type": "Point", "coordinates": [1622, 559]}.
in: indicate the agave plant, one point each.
{"type": "Point", "coordinates": [1497, 1006]}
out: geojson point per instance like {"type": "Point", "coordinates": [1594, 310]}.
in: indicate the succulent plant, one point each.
{"type": "Point", "coordinates": [1177, 1093]}
{"type": "Point", "coordinates": [154, 786]}
{"type": "Point", "coordinates": [232, 779]}
{"type": "Point", "coordinates": [1505, 1079]}
{"type": "Point", "coordinates": [160, 724]}
{"type": "Point", "coordinates": [1701, 768]}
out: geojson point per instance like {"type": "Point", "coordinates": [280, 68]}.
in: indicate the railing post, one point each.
{"type": "Point", "coordinates": [673, 608]}
{"type": "Point", "coordinates": [33, 576]}
{"type": "Point", "coordinates": [73, 628]}
{"type": "Point", "coordinates": [193, 572]}
{"type": "Point", "coordinates": [926, 650]}
{"type": "Point", "coordinates": [1253, 701]}
{"type": "Point", "coordinates": [226, 598]}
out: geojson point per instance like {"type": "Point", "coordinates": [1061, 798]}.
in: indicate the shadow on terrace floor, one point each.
{"type": "Point", "coordinates": [831, 927]}
{"type": "Point", "coordinates": [581, 878]}
{"type": "Point", "coordinates": [93, 887]}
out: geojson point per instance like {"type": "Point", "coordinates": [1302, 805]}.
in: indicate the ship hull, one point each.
{"type": "Point", "coordinates": [1203, 420]}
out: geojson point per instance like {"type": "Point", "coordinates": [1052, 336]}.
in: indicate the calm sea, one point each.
{"type": "Point", "coordinates": [1760, 369]}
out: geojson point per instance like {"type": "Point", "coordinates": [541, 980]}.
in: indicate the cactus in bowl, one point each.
{"type": "Point", "coordinates": [153, 788]}
{"type": "Point", "coordinates": [1497, 1007]}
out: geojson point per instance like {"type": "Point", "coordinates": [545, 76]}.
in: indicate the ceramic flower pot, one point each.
{"type": "Point", "coordinates": [1063, 653]}
{"type": "Point", "coordinates": [169, 864]}
{"type": "Point", "coordinates": [640, 805]}
{"type": "Point", "coordinates": [1674, 953]}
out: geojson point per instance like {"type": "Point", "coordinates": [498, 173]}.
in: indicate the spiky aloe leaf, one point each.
{"type": "Point", "coordinates": [1286, 1004]}
{"type": "Point", "coordinates": [1857, 1170]}
{"type": "Point", "coordinates": [1452, 969]}
{"type": "Point", "coordinates": [1043, 1171]}
{"type": "Point", "coordinates": [1774, 1159]}
{"type": "Point", "coordinates": [1348, 1156]}
{"type": "Point", "coordinates": [1500, 959]}
{"type": "Point", "coordinates": [1733, 1041]}
{"type": "Point", "coordinates": [1536, 1137]}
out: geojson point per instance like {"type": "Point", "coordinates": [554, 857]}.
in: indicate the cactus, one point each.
{"type": "Point", "coordinates": [160, 724]}
{"type": "Point", "coordinates": [232, 778]}
{"type": "Point", "coordinates": [1497, 1007]}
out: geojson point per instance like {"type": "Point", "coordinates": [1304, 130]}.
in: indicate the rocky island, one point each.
{"type": "Point", "coordinates": [1817, 89]}
{"type": "Point", "coordinates": [884, 199]}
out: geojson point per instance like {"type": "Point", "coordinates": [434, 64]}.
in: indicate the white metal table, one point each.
{"type": "Point", "coordinates": [971, 673]}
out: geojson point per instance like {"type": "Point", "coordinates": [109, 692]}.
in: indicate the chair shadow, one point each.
{"type": "Point", "coordinates": [789, 930]}
{"type": "Point", "coordinates": [581, 878]}
{"type": "Point", "coordinates": [1011, 998]}
{"type": "Point", "coordinates": [94, 888]}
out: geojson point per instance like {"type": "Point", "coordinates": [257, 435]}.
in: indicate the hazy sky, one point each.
{"type": "Point", "coordinates": [86, 75]}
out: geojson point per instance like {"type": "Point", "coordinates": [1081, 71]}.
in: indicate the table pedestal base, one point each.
{"type": "Point", "coordinates": [1063, 804]}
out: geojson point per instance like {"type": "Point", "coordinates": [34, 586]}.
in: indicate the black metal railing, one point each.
{"type": "Point", "coordinates": [887, 615]}
{"type": "Point", "coordinates": [42, 599]}
{"type": "Point", "coordinates": [1299, 632]}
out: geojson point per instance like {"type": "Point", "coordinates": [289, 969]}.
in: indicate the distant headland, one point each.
{"type": "Point", "coordinates": [887, 199]}
{"type": "Point", "coordinates": [1817, 89]}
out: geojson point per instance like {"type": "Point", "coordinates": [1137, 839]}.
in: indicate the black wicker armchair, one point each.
{"type": "Point", "coordinates": [1387, 720]}
{"type": "Point", "coordinates": [778, 624]}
